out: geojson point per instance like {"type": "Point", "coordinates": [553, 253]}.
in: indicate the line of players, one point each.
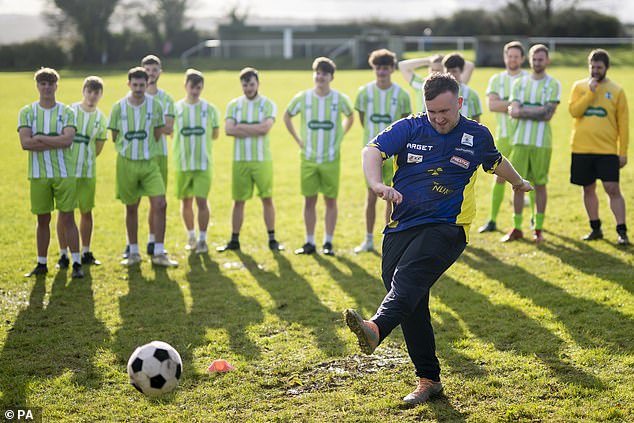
{"type": "Point", "coordinates": [64, 141]}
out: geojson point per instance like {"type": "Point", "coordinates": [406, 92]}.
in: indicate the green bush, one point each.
{"type": "Point", "coordinates": [32, 55]}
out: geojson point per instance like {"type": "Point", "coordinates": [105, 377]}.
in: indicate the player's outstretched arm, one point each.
{"type": "Point", "coordinates": [288, 121]}
{"type": "Point", "coordinates": [372, 162]}
{"type": "Point", "coordinates": [409, 66]}
{"type": "Point", "coordinates": [467, 71]}
{"type": "Point", "coordinates": [506, 170]}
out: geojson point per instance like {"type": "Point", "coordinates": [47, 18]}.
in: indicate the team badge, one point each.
{"type": "Point", "coordinates": [414, 158]}
{"type": "Point", "coordinates": [459, 161]}
{"type": "Point", "coordinates": [608, 95]}
{"type": "Point", "coordinates": [467, 139]}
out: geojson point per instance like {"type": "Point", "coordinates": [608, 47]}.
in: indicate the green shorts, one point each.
{"type": "Point", "coordinates": [86, 188]}
{"type": "Point", "coordinates": [50, 193]}
{"type": "Point", "coordinates": [320, 177]}
{"type": "Point", "coordinates": [247, 174]}
{"type": "Point", "coordinates": [162, 164]}
{"type": "Point", "coordinates": [136, 178]}
{"type": "Point", "coordinates": [387, 172]}
{"type": "Point", "coordinates": [504, 146]}
{"type": "Point", "coordinates": [193, 183]}
{"type": "Point", "coordinates": [531, 162]}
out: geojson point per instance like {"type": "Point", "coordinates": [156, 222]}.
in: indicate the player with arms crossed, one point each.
{"type": "Point", "coordinates": [600, 136]}
{"type": "Point", "coordinates": [434, 204]}
{"type": "Point", "coordinates": [534, 100]}
{"type": "Point", "coordinates": [249, 119]}
{"type": "Point", "coordinates": [195, 127]}
{"type": "Point", "coordinates": [46, 129]}
{"type": "Point", "coordinates": [88, 143]}
{"type": "Point", "coordinates": [498, 95]}
{"type": "Point", "coordinates": [379, 103]}
{"type": "Point", "coordinates": [136, 121]}
{"type": "Point", "coordinates": [321, 133]}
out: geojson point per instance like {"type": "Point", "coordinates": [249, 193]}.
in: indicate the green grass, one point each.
{"type": "Point", "coordinates": [523, 333]}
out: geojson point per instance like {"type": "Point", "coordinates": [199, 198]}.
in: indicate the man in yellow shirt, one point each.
{"type": "Point", "coordinates": [599, 142]}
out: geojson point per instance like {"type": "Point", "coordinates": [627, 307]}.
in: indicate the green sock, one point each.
{"type": "Point", "coordinates": [517, 220]}
{"type": "Point", "coordinates": [497, 196]}
{"type": "Point", "coordinates": [539, 221]}
{"type": "Point", "coordinates": [531, 202]}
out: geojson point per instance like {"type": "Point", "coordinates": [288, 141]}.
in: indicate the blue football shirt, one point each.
{"type": "Point", "coordinates": [436, 173]}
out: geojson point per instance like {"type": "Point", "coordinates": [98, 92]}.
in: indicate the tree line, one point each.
{"type": "Point", "coordinates": [111, 31]}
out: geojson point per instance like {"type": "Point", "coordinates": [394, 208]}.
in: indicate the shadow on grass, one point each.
{"type": "Point", "coordinates": [366, 289]}
{"type": "Point", "coordinates": [508, 329]}
{"type": "Point", "coordinates": [584, 258]}
{"type": "Point", "coordinates": [46, 342]}
{"type": "Point", "coordinates": [296, 302]}
{"type": "Point", "coordinates": [589, 323]}
{"type": "Point", "coordinates": [152, 310]}
{"type": "Point", "coordinates": [218, 304]}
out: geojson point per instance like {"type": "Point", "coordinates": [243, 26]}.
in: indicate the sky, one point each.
{"type": "Point", "coordinates": [312, 10]}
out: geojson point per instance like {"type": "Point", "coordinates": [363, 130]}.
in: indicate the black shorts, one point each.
{"type": "Point", "coordinates": [585, 169]}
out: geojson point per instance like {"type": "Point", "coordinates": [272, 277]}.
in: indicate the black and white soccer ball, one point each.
{"type": "Point", "coordinates": [155, 368]}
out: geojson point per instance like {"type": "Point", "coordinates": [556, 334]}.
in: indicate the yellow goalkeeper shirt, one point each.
{"type": "Point", "coordinates": [600, 119]}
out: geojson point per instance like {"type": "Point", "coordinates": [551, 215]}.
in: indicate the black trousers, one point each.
{"type": "Point", "coordinates": [413, 260]}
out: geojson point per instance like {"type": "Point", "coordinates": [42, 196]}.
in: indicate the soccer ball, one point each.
{"type": "Point", "coordinates": [155, 368]}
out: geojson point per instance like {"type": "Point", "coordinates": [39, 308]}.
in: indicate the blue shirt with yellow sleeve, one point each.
{"type": "Point", "coordinates": [436, 173]}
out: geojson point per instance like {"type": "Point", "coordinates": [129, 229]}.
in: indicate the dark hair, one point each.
{"type": "Point", "coordinates": [514, 44]}
{"type": "Point", "coordinates": [93, 83]}
{"type": "Point", "coordinates": [324, 64]}
{"type": "Point", "coordinates": [382, 57]}
{"type": "Point", "coordinates": [137, 73]}
{"type": "Point", "coordinates": [46, 74]}
{"type": "Point", "coordinates": [453, 60]}
{"type": "Point", "coordinates": [150, 59]}
{"type": "Point", "coordinates": [438, 83]}
{"type": "Point", "coordinates": [194, 77]}
{"type": "Point", "coordinates": [537, 48]}
{"type": "Point", "coordinates": [599, 55]}
{"type": "Point", "coordinates": [247, 73]}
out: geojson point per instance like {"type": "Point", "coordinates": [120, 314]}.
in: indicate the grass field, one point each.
{"type": "Point", "coordinates": [523, 333]}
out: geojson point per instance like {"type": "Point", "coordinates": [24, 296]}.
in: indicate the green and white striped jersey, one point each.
{"type": "Point", "coordinates": [56, 162]}
{"type": "Point", "coordinates": [471, 105]}
{"type": "Point", "coordinates": [321, 124]}
{"type": "Point", "coordinates": [501, 84]}
{"type": "Point", "coordinates": [193, 128]}
{"type": "Point", "coordinates": [91, 127]}
{"type": "Point", "coordinates": [167, 103]}
{"type": "Point", "coordinates": [243, 110]}
{"type": "Point", "coordinates": [417, 83]}
{"type": "Point", "coordinates": [136, 125]}
{"type": "Point", "coordinates": [381, 107]}
{"type": "Point", "coordinates": [529, 92]}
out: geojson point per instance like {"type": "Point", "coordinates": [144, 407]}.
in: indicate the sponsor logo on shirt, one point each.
{"type": "Point", "coordinates": [441, 189]}
{"type": "Point", "coordinates": [135, 135]}
{"type": "Point", "coordinates": [377, 118]}
{"type": "Point", "coordinates": [459, 161]}
{"type": "Point", "coordinates": [467, 139]}
{"type": "Point", "coordinates": [464, 150]}
{"type": "Point", "coordinates": [419, 147]}
{"type": "Point", "coordinates": [189, 131]}
{"type": "Point", "coordinates": [596, 111]}
{"type": "Point", "coordinates": [414, 158]}
{"type": "Point", "coordinates": [608, 95]}
{"type": "Point", "coordinates": [316, 124]}
{"type": "Point", "coordinates": [435, 172]}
